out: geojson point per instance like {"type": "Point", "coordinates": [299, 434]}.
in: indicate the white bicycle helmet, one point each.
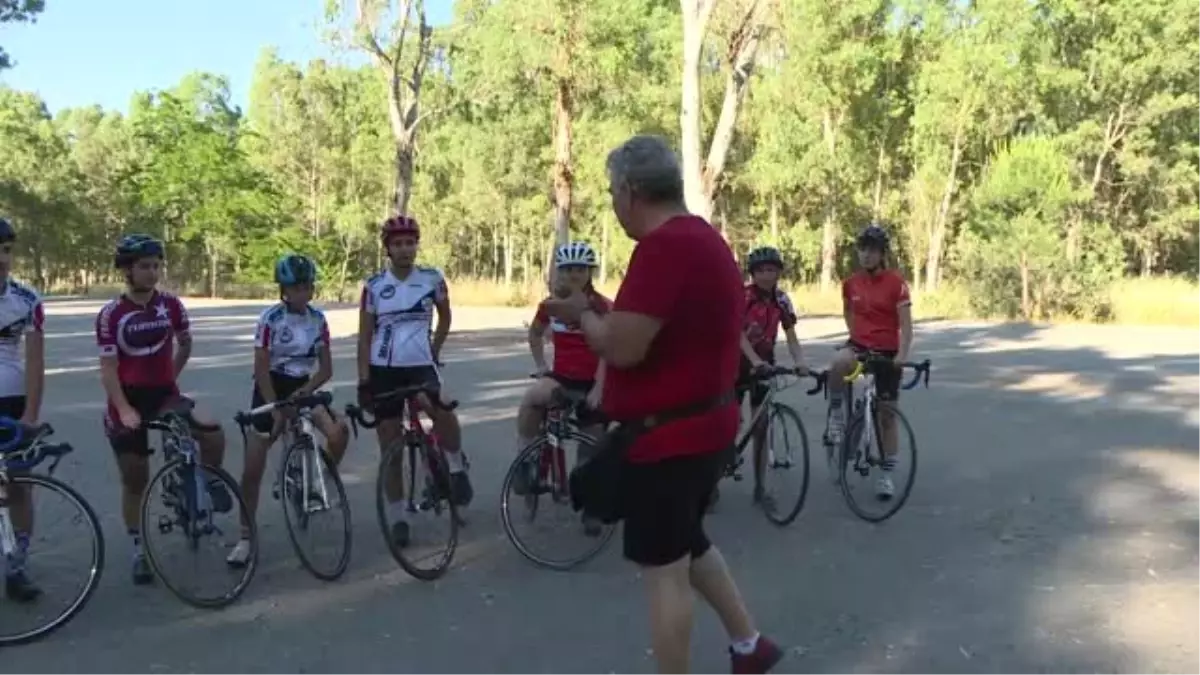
{"type": "Point", "coordinates": [573, 254]}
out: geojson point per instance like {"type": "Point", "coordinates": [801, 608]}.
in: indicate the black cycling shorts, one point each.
{"type": "Point", "coordinates": [746, 383]}
{"type": "Point", "coordinates": [148, 402]}
{"type": "Point", "coordinates": [284, 386]}
{"type": "Point", "coordinates": [665, 503]}
{"type": "Point", "coordinates": [387, 379]}
{"type": "Point", "coordinates": [12, 407]}
{"type": "Point", "coordinates": [887, 380]}
{"type": "Point", "coordinates": [572, 384]}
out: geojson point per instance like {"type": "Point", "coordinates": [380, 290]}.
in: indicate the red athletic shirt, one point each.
{"type": "Point", "coordinates": [875, 301]}
{"type": "Point", "coordinates": [142, 338]}
{"type": "Point", "coordinates": [573, 359]}
{"type": "Point", "coordinates": [766, 313]}
{"type": "Point", "coordinates": [683, 274]}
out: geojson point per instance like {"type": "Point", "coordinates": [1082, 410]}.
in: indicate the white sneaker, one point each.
{"type": "Point", "coordinates": [884, 489]}
{"type": "Point", "coordinates": [836, 426]}
{"type": "Point", "coordinates": [835, 471]}
{"type": "Point", "coordinates": [240, 554]}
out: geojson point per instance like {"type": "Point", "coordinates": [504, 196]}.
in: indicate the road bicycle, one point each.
{"type": "Point", "coordinates": [186, 487]}
{"type": "Point", "coordinates": [861, 449]}
{"type": "Point", "coordinates": [27, 448]}
{"type": "Point", "coordinates": [426, 490]}
{"type": "Point", "coordinates": [308, 484]}
{"type": "Point", "coordinates": [537, 481]}
{"type": "Point", "coordinates": [789, 456]}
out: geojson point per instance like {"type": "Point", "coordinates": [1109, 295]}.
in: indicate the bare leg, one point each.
{"type": "Point", "coordinates": [670, 594]}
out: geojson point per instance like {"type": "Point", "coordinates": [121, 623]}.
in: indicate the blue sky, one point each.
{"type": "Point", "coordinates": [82, 52]}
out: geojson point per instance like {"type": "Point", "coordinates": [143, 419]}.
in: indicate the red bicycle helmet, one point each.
{"type": "Point", "coordinates": [399, 225]}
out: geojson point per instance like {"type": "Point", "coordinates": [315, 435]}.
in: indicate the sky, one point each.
{"type": "Point", "coordinates": [85, 52]}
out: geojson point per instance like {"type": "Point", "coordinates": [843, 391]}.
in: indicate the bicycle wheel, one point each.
{"type": "Point", "coordinates": [787, 465]}
{"type": "Point", "coordinates": [862, 459]}
{"type": "Point", "coordinates": [25, 622]}
{"type": "Point", "coordinates": [526, 489]}
{"type": "Point", "coordinates": [431, 516]}
{"type": "Point", "coordinates": [205, 540]}
{"type": "Point", "coordinates": [309, 504]}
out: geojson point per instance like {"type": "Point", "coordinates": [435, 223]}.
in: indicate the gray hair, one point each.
{"type": "Point", "coordinates": [648, 167]}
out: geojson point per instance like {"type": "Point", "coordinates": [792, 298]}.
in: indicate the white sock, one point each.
{"type": "Point", "coordinates": [455, 461]}
{"type": "Point", "coordinates": [398, 511]}
{"type": "Point", "coordinates": [746, 646]}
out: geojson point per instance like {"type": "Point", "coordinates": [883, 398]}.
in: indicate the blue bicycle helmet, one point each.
{"type": "Point", "coordinates": [293, 269]}
{"type": "Point", "coordinates": [134, 247]}
{"type": "Point", "coordinates": [7, 233]}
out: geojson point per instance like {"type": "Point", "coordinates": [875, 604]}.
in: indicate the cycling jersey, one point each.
{"type": "Point", "coordinates": [766, 311]}
{"type": "Point", "coordinates": [573, 358]}
{"type": "Point", "coordinates": [403, 311]}
{"type": "Point", "coordinates": [142, 338]}
{"type": "Point", "coordinates": [292, 340]}
{"type": "Point", "coordinates": [874, 301]}
{"type": "Point", "coordinates": [21, 312]}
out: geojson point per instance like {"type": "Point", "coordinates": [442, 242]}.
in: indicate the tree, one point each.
{"type": "Point", "coordinates": [18, 11]}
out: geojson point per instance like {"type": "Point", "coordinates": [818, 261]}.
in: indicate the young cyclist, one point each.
{"type": "Point", "coordinates": [576, 367]}
{"type": "Point", "coordinates": [291, 359]}
{"type": "Point", "coordinates": [396, 350]}
{"type": "Point", "coordinates": [878, 313]}
{"type": "Point", "coordinates": [21, 380]}
{"type": "Point", "coordinates": [768, 308]}
{"type": "Point", "coordinates": [137, 333]}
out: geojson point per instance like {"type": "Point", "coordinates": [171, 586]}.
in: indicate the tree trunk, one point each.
{"type": "Point", "coordinates": [830, 125]}
{"type": "Point", "coordinates": [1026, 307]}
{"type": "Point", "coordinates": [880, 167]}
{"type": "Point", "coordinates": [774, 218]}
{"type": "Point", "coordinates": [695, 24]}
{"type": "Point", "coordinates": [937, 237]}
{"type": "Point", "coordinates": [508, 253]}
{"type": "Point", "coordinates": [564, 113]}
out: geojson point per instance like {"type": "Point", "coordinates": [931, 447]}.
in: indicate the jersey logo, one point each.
{"type": "Point", "coordinates": [388, 292]}
{"type": "Point", "coordinates": [426, 303]}
{"type": "Point", "coordinates": [285, 335]}
{"type": "Point", "coordinates": [141, 334]}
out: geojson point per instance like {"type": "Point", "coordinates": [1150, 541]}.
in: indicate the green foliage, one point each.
{"type": "Point", "coordinates": [1027, 154]}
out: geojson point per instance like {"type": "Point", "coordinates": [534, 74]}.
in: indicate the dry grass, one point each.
{"type": "Point", "coordinates": [1156, 301]}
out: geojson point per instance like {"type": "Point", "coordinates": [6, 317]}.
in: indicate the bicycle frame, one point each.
{"type": "Point", "coordinates": [300, 430]}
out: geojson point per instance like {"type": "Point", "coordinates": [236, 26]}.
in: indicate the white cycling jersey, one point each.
{"type": "Point", "coordinates": [21, 312]}
{"type": "Point", "coordinates": [292, 340]}
{"type": "Point", "coordinates": [403, 311]}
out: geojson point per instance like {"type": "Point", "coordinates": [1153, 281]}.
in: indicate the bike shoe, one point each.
{"type": "Point", "coordinates": [142, 574]}
{"type": "Point", "coordinates": [21, 588]}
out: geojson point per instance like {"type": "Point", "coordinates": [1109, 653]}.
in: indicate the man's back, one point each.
{"type": "Point", "coordinates": [683, 274]}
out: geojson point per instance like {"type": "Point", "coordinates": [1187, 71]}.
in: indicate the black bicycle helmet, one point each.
{"type": "Point", "coordinates": [133, 247]}
{"type": "Point", "coordinates": [293, 269]}
{"type": "Point", "coordinates": [764, 255]}
{"type": "Point", "coordinates": [873, 236]}
{"type": "Point", "coordinates": [7, 233]}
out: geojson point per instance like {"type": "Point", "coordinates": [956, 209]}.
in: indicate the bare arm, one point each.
{"type": "Point", "coordinates": [793, 343]}
{"type": "Point", "coordinates": [322, 375]}
{"type": "Point", "coordinates": [262, 374]}
{"type": "Point", "coordinates": [183, 351]}
{"type": "Point", "coordinates": [112, 383]}
{"type": "Point", "coordinates": [620, 338]}
{"type": "Point", "coordinates": [906, 331]}
{"type": "Point", "coordinates": [366, 332]}
{"type": "Point", "coordinates": [748, 351]}
{"type": "Point", "coordinates": [35, 374]}
{"type": "Point", "coordinates": [442, 331]}
{"type": "Point", "coordinates": [848, 315]}
{"type": "Point", "coordinates": [537, 344]}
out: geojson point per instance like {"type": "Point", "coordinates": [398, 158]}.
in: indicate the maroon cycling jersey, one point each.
{"type": "Point", "coordinates": [766, 311]}
{"type": "Point", "coordinates": [573, 358]}
{"type": "Point", "coordinates": [142, 338]}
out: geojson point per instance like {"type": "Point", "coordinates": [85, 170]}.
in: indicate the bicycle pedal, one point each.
{"type": "Point", "coordinates": [737, 477]}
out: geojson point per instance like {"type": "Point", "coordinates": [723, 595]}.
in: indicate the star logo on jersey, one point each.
{"type": "Point", "coordinates": [387, 292]}
{"type": "Point", "coordinates": [160, 311]}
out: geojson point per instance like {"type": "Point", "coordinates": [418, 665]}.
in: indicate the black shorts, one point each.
{"type": "Point", "coordinates": [148, 402]}
{"type": "Point", "coordinates": [571, 384]}
{"type": "Point", "coordinates": [284, 386]}
{"type": "Point", "coordinates": [665, 506]}
{"type": "Point", "coordinates": [386, 379]}
{"type": "Point", "coordinates": [746, 383]}
{"type": "Point", "coordinates": [887, 380]}
{"type": "Point", "coordinates": [12, 407]}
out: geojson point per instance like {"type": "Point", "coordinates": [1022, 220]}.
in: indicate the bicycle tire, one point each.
{"type": "Point", "coordinates": [97, 569]}
{"type": "Point", "coordinates": [398, 449]}
{"type": "Point", "coordinates": [289, 517]}
{"type": "Point", "coordinates": [506, 518]}
{"type": "Point", "coordinates": [247, 572]}
{"type": "Point", "coordinates": [852, 432]}
{"type": "Point", "coordinates": [784, 410]}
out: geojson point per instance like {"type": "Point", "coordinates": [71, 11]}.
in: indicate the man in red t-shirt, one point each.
{"type": "Point", "coordinates": [878, 313]}
{"type": "Point", "coordinates": [139, 366]}
{"type": "Point", "coordinates": [576, 367]}
{"type": "Point", "coordinates": [673, 342]}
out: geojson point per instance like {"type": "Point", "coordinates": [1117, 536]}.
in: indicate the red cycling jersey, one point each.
{"type": "Point", "coordinates": [142, 338]}
{"type": "Point", "coordinates": [875, 301]}
{"type": "Point", "coordinates": [573, 358]}
{"type": "Point", "coordinates": [684, 275]}
{"type": "Point", "coordinates": [766, 312]}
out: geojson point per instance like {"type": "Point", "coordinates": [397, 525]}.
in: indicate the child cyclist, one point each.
{"type": "Point", "coordinates": [768, 309]}
{"type": "Point", "coordinates": [291, 359]}
{"type": "Point", "coordinates": [576, 368]}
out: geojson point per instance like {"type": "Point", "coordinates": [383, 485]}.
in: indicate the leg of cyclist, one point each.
{"type": "Point", "coordinates": [335, 431]}
{"type": "Point", "coordinates": [844, 360]}
{"type": "Point", "coordinates": [17, 584]}
{"type": "Point", "coordinates": [133, 461]}
{"type": "Point", "coordinates": [887, 386]}
{"type": "Point", "coordinates": [530, 417]}
{"type": "Point", "coordinates": [210, 436]}
{"type": "Point", "coordinates": [389, 430]}
{"type": "Point", "coordinates": [262, 436]}
{"type": "Point", "coordinates": [758, 395]}
{"type": "Point", "coordinates": [449, 434]}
